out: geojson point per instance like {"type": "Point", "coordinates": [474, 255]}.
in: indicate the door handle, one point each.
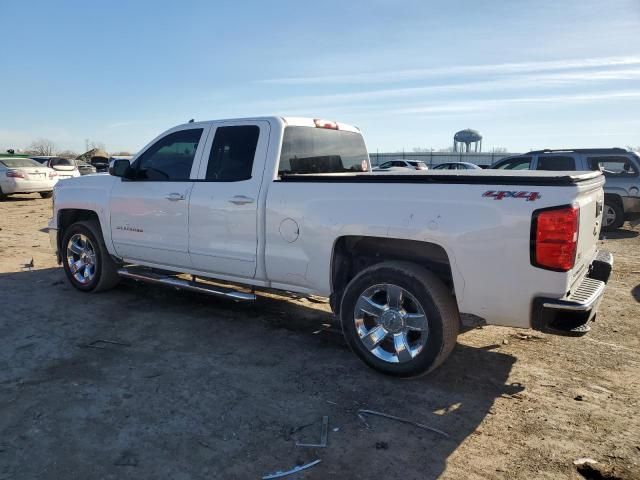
{"type": "Point", "coordinates": [174, 197]}
{"type": "Point", "coordinates": [241, 200]}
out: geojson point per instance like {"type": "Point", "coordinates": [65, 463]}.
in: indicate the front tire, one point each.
{"type": "Point", "coordinates": [612, 216]}
{"type": "Point", "coordinates": [46, 194]}
{"type": "Point", "coordinates": [85, 258]}
{"type": "Point", "coordinates": [399, 318]}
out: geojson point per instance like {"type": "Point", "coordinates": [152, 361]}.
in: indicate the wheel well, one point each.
{"type": "Point", "coordinates": [67, 217]}
{"type": "Point", "coordinates": [352, 254]}
{"type": "Point", "coordinates": [612, 197]}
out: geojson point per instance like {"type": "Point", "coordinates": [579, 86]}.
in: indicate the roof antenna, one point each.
{"type": "Point", "coordinates": [191, 121]}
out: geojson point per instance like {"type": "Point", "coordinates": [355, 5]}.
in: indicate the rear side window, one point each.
{"type": "Point", "coordinates": [615, 166]}
{"type": "Point", "coordinates": [19, 162]}
{"type": "Point", "coordinates": [520, 163]}
{"type": "Point", "coordinates": [61, 162]}
{"type": "Point", "coordinates": [170, 158]}
{"type": "Point", "coordinates": [321, 150]}
{"type": "Point", "coordinates": [232, 153]}
{"type": "Point", "coordinates": [556, 162]}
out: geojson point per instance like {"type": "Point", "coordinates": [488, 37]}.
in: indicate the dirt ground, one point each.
{"type": "Point", "coordinates": [206, 388]}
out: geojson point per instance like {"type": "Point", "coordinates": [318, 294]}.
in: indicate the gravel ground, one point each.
{"type": "Point", "coordinates": [205, 388]}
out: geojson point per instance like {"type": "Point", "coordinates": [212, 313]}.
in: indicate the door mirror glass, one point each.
{"type": "Point", "coordinates": [119, 168]}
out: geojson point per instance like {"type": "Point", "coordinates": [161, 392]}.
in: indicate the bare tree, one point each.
{"type": "Point", "coordinates": [422, 149]}
{"type": "Point", "coordinates": [499, 150]}
{"type": "Point", "coordinates": [67, 154]}
{"type": "Point", "coordinates": [93, 145]}
{"type": "Point", "coordinates": [42, 147]}
{"type": "Point", "coordinates": [124, 153]}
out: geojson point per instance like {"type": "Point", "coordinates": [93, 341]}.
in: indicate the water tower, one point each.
{"type": "Point", "coordinates": [463, 139]}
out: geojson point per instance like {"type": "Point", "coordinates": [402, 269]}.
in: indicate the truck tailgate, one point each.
{"type": "Point", "coordinates": [590, 200]}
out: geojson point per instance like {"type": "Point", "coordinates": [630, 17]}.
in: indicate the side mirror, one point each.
{"type": "Point", "coordinates": [120, 168]}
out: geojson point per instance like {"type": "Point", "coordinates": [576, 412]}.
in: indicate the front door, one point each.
{"type": "Point", "coordinates": [149, 212]}
{"type": "Point", "coordinates": [223, 210]}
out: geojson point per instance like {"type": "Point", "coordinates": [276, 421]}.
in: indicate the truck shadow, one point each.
{"type": "Point", "coordinates": [619, 234]}
{"type": "Point", "coordinates": [196, 384]}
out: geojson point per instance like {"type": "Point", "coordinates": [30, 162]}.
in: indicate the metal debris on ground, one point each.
{"type": "Point", "coordinates": [526, 336]}
{"type": "Point", "coordinates": [96, 344]}
{"type": "Point", "coordinates": [323, 436]}
{"type": "Point", "coordinates": [28, 264]}
{"type": "Point", "coordinates": [296, 469]}
{"type": "Point", "coordinates": [363, 412]}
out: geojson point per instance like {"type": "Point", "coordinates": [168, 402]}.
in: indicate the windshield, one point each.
{"type": "Point", "coordinates": [19, 162]}
{"type": "Point", "coordinates": [321, 150]}
{"type": "Point", "coordinates": [61, 161]}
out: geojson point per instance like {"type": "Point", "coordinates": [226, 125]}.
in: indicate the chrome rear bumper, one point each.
{"type": "Point", "coordinates": [570, 315]}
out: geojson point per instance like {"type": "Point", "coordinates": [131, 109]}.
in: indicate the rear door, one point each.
{"type": "Point", "coordinates": [223, 208]}
{"type": "Point", "coordinates": [149, 214]}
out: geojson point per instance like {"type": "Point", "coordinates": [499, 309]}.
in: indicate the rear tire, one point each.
{"type": "Point", "coordinates": [85, 258]}
{"type": "Point", "coordinates": [613, 215]}
{"type": "Point", "coordinates": [46, 194]}
{"type": "Point", "coordinates": [408, 336]}
{"type": "Point", "coordinates": [3, 196]}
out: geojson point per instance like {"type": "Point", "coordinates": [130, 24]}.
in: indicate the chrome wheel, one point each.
{"type": "Point", "coordinates": [81, 258]}
{"type": "Point", "coordinates": [608, 216]}
{"type": "Point", "coordinates": [391, 323]}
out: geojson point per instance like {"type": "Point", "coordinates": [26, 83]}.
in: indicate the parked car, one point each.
{"type": "Point", "coordinates": [65, 167]}
{"type": "Point", "coordinates": [24, 175]}
{"type": "Point", "coordinates": [400, 165]}
{"type": "Point", "coordinates": [42, 159]}
{"type": "Point", "coordinates": [457, 166]}
{"type": "Point", "coordinates": [290, 204]}
{"type": "Point", "coordinates": [84, 167]}
{"type": "Point", "coordinates": [620, 167]}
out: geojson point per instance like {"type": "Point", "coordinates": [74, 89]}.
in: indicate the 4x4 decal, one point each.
{"type": "Point", "coordinates": [500, 194]}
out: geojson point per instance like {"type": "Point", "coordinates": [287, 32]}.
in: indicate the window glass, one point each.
{"type": "Point", "coordinates": [232, 153]}
{"type": "Point", "coordinates": [19, 162]}
{"type": "Point", "coordinates": [615, 166]}
{"type": "Point", "coordinates": [398, 163]}
{"type": "Point", "coordinates": [556, 162]}
{"type": "Point", "coordinates": [170, 158]}
{"type": "Point", "coordinates": [55, 162]}
{"type": "Point", "coordinates": [321, 150]}
{"type": "Point", "coordinates": [520, 163]}
{"type": "Point", "coordinates": [386, 165]}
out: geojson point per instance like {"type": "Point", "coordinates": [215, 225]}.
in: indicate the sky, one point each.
{"type": "Point", "coordinates": [525, 73]}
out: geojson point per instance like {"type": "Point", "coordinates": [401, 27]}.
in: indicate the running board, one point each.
{"type": "Point", "coordinates": [148, 276]}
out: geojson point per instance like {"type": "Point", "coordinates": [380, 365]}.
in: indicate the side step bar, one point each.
{"type": "Point", "coordinates": [149, 276]}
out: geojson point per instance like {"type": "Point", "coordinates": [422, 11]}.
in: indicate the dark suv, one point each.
{"type": "Point", "coordinates": [620, 167]}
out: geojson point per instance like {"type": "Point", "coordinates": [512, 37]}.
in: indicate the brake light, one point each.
{"type": "Point", "coordinates": [52, 175]}
{"type": "Point", "coordinates": [325, 124]}
{"type": "Point", "coordinates": [554, 238]}
{"type": "Point", "coordinates": [16, 174]}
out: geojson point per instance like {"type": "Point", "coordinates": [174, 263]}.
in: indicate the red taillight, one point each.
{"type": "Point", "coordinates": [325, 124]}
{"type": "Point", "coordinates": [16, 174]}
{"type": "Point", "coordinates": [554, 237]}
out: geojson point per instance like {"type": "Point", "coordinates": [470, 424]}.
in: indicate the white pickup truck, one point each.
{"type": "Point", "coordinates": [291, 204]}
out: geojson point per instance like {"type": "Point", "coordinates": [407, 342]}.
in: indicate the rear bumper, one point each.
{"type": "Point", "coordinates": [570, 315]}
{"type": "Point", "coordinates": [17, 185]}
